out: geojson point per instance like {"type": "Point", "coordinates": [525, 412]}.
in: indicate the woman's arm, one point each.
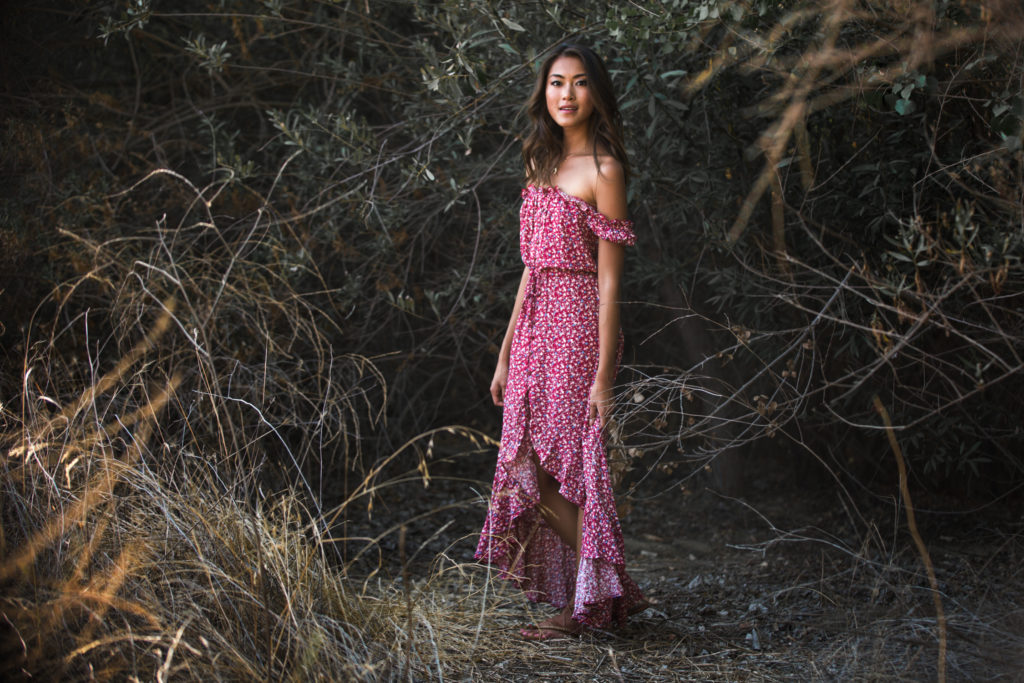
{"type": "Point", "coordinates": [501, 371]}
{"type": "Point", "coordinates": [610, 192]}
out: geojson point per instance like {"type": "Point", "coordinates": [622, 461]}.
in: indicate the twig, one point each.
{"type": "Point", "coordinates": [940, 616]}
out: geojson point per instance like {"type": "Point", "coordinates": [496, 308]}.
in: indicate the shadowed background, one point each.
{"type": "Point", "coordinates": [257, 259]}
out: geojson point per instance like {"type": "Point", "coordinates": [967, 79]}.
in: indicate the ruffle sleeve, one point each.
{"type": "Point", "coordinates": [618, 230]}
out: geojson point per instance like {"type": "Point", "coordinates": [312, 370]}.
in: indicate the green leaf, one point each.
{"type": "Point", "coordinates": [903, 107]}
{"type": "Point", "coordinates": [512, 25]}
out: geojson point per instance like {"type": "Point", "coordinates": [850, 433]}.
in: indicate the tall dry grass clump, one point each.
{"type": "Point", "coordinates": [179, 377]}
{"type": "Point", "coordinates": [131, 575]}
{"type": "Point", "coordinates": [128, 558]}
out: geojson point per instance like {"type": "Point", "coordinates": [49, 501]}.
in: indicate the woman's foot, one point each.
{"type": "Point", "coordinates": [561, 625]}
{"type": "Point", "coordinates": [639, 607]}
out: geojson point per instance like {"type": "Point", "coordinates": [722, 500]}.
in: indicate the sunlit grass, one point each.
{"type": "Point", "coordinates": [139, 570]}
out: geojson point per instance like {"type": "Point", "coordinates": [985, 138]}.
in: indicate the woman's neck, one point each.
{"type": "Point", "coordinates": [576, 141]}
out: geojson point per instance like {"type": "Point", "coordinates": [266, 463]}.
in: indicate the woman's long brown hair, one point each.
{"type": "Point", "coordinates": [542, 149]}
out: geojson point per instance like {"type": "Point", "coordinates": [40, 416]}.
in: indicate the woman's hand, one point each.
{"type": "Point", "coordinates": [499, 382]}
{"type": "Point", "coordinates": [600, 402]}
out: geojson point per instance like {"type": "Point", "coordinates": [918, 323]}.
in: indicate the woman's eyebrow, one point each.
{"type": "Point", "coordinates": [582, 75]}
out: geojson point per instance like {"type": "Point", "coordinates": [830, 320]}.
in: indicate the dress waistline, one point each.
{"type": "Point", "coordinates": [554, 270]}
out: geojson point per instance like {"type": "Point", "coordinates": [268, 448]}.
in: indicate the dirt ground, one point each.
{"type": "Point", "coordinates": [788, 582]}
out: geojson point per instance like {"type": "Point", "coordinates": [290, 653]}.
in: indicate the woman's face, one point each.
{"type": "Point", "coordinates": [568, 97]}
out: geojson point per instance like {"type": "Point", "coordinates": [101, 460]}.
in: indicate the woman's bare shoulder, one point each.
{"type": "Point", "coordinates": [610, 187]}
{"type": "Point", "coordinates": [610, 169]}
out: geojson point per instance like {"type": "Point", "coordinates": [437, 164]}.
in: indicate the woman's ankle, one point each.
{"type": "Point", "coordinates": [565, 616]}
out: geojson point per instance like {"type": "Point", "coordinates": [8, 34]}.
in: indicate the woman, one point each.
{"type": "Point", "coordinates": [552, 525]}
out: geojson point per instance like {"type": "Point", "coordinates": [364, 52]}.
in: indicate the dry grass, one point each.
{"type": "Point", "coordinates": [148, 573]}
{"type": "Point", "coordinates": [129, 554]}
{"type": "Point", "coordinates": [127, 557]}
{"type": "Point", "coordinates": [120, 566]}
{"type": "Point", "coordinates": [124, 561]}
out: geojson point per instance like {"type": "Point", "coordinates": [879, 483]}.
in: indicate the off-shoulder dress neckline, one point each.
{"type": "Point", "coordinates": [558, 190]}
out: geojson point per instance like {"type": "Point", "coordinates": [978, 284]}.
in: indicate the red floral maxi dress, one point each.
{"type": "Point", "coordinates": [552, 366]}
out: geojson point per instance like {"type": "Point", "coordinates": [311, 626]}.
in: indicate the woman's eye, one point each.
{"type": "Point", "coordinates": [581, 83]}
{"type": "Point", "coordinates": [556, 83]}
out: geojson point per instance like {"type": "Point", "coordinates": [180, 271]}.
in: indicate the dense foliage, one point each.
{"type": "Point", "coordinates": [828, 198]}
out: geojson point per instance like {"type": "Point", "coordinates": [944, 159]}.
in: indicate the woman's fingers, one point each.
{"type": "Point", "coordinates": [599, 405]}
{"type": "Point", "coordinates": [498, 393]}
{"type": "Point", "coordinates": [595, 413]}
{"type": "Point", "coordinates": [498, 383]}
